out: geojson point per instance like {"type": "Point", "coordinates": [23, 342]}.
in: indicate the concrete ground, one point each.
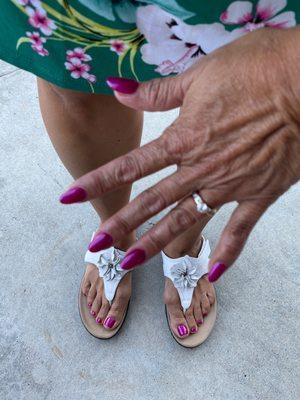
{"type": "Point", "coordinates": [45, 353]}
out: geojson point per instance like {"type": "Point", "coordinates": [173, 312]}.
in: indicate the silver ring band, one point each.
{"type": "Point", "coordinates": [202, 207]}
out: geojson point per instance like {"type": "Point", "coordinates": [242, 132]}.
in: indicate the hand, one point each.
{"type": "Point", "coordinates": [236, 139]}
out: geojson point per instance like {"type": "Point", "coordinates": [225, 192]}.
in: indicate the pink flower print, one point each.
{"type": "Point", "coordinates": [40, 50]}
{"type": "Point", "coordinates": [91, 78]}
{"type": "Point", "coordinates": [265, 15]}
{"type": "Point", "coordinates": [36, 39]}
{"type": "Point", "coordinates": [118, 46]}
{"type": "Point", "coordinates": [78, 69]}
{"type": "Point", "coordinates": [34, 3]}
{"type": "Point", "coordinates": [38, 19]}
{"type": "Point", "coordinates": [79, 54]}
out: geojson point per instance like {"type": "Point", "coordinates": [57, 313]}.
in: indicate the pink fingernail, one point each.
{"type": "Point", "coordinates": [73, 195]}
{"type": "Point", "coordinates": [100, 242]}
{"type": "Point", "coordinates": [122, 85]}
{"type": "Point", "coordinates": [109, 322]}
{"type": "Point", "coordinates": [93, 313]}
{"type": "Point", "coordinates": [182, 330]}
{"type": "Point", "coordinates": [89, 305]}
{"type": "Point", "coordinates": [193, 329]}
{"type": "Point", "coordinates": [98, 320]}
{"type": "Point", "coordinates": [133, 258]}
{"type": "Point", "coordinates": [217, 270]}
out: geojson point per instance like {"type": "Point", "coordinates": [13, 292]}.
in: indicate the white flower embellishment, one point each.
{"type": "Point", "coordinates": [110, 265]}
{"type": "Point", "coordinates": [185, 274]}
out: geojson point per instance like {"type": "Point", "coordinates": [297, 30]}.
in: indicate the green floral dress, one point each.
{"type": "Point", "coordinates": [76, 44]}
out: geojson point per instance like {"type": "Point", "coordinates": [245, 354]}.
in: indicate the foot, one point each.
{"type": "Point", "coordinates": [188, 323]}
{"type": "Point", "coordinates": [108, 315]}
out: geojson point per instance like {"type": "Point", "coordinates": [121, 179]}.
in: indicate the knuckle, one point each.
{"type": "Point", "coordinates": [121, 224]}
{"type": "Point", "coordinates": [155, 241]}
{"type": "Point", "coordinates": [240, 230]}
{"type": "Point", "coordinates": [127, 170]}
{"type": "Point", "coordinates": [152, 200]}
{"type": "Point", "coordinates": [182, 219]}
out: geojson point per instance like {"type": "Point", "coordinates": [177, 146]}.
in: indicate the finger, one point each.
{"type": "Point", "coordinates": [147, 204]}
{"type": "Point", "coordinates": [178, 220]}
{"type": "Point", "coordinates": [234, 237]}
{"type": "Point", "coordinates": [155, 95]}
{"type": "Point", "coordinates": [122, 171]}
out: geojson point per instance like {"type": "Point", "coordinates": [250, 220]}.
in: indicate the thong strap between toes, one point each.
{"type": "Point", "coordinates": [108, 263]}
{"type": "Point", "coordinates": [186, 271]}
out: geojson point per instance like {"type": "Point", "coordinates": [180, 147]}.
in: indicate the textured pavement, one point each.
{"type": "Point", "coordinates": [45, 353]}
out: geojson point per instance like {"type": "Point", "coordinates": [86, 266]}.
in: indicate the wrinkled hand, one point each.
{"type": "Point", "coordinates": [237, 138]}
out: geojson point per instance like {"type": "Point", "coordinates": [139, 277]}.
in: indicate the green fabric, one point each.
{"type": "Point", "coordinates": [171, 35]}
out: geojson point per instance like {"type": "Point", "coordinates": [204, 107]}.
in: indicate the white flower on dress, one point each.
{"type": "Point", "coordinates": [184, 274]}
{"type": "Point", "coordinates": [174, 45]}
{"type": "Point", "coordinates": [110, 265]}
{"type": "Point", "coordinates": [265, 15]}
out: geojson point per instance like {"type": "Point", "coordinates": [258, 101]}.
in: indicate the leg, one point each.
{"type": "Point", "coordinates": [188, 243]}
{"type": "Point", "coordinates": [87, 131]}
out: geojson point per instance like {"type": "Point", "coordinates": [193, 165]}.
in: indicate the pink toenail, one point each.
{"type": "Point", "coordinates": [182, 330]}
{"type": "Point", "coordinates": [93, 313]}
{"type": "Point", "coordinates": [109, 322]}
{"type": "Point", "coordinates": [193, 329]}
{"type": "Point", "coordinates": [200, 322]}
{"type": "Point", "coordinates": [89, 305]}
{"type": "Point", "coordinates": [98, 320]}
{"type": "Point", "coordinates": [205, 315]}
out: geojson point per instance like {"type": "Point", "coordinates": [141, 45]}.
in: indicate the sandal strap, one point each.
{"type": "Point", "coordinates": [108, 263]}
{"type": "Point", "coordinates": [185, 272]}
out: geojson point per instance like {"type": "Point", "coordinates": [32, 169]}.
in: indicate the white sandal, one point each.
{"type": "Point", "coordinates": [185, 273]}
{"type": "Point", "coordinates": [108, 262]}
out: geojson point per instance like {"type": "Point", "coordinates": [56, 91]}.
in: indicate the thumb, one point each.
{"type": "Point", "coordinates": [155, 95]}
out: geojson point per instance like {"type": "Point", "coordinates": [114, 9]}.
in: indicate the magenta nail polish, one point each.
{"type": "Point", "coordinates": [217, 270]}
{"type": "Point", "coordinates": [133, 258]}
{"type": "Point", "coordinates": [98, 320]}
{"type": "Point", "coordinates": [93, 313]}
{"type": "Point", "coordinates": [193, 329]}
{"type": "Point", "coordinates": [122, 85]}
{"type": "Point", "coordinates": [109, 322]}
{"type": "Point", "coordinates": [73, 195]}
{"type": "Point", "coordinates": [182, 330]}
{"type": "Point", "coordinates": [89, 305]}
{"type": "Point", "coordinates": [199, 322]}
{"type": "Point", "coordinates": [100, 242]}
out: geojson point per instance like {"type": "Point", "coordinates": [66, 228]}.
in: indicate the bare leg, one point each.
{"type": "Point", "coordinates": [88, 131]}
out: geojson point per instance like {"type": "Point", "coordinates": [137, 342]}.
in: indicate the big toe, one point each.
{"type": "Point", "coordinates": [118, 308]}
{"type": "Point", "coordinates": [177, 320]}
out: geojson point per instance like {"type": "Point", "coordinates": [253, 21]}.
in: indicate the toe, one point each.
{"type": "Point", "coordinates": [205, 304]}
{"type": "Point", "coordinates": [198, 313]}
{"type": "Point", "coordinates": [96, 303]}
{"type": "Point", "coordinates": [190, 319]}
{"type": "Point", "coordinates": [177, 321]}
{"type": "Point", "coordinates": [104, 310]}
{"type": "Point", "coordinates": [85, 286]}
{"type": "Point", "coordinates": [118, 308]}
{"type": "Point", "coordinates": [91, 295]}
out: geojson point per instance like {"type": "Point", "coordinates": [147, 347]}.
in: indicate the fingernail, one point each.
{"type": "Point", "coordinates": [200, 322]}
{"type": "Point", "coordinates": [89, 305]}
{"type": "Point", "coordinates": [122, 85]}
{"type": "Point", "coordinates": [109, 322]}
{"type": "Point", "coordinates": [73, 195]}
{"type": "Point", "coordinates": [93, 313]}
{"type": "Point", "coordinates": [182, 330]}
{"type": "Point", "coordinates": [100, 242]}
{"type": "Point", "coordinates": [193, 329]}
{"type": "Point", "coordinates": [98, 320]}
{"type": "Point", "coordinates": [133, 258]}
{"type": "Point", "coordinates": [217, 270]}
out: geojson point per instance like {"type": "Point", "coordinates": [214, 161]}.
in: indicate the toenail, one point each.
{"type": "Point", "coordinates": [109, 322]}
{"type": "Point", "coordinates": [200, 322]}
{"type": "Point", "coordinates": [205, 314]}
{"type": "Point", "coordinates": [89, 305]}
{"type": "Point", "coordinates": [98, 320]}
{"type": "Point", "coordinates": [182, 330]}
{"type": "Point", "coordinates": [193, 329]}
{"type": "Point", "coordinates": [93, 313]}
